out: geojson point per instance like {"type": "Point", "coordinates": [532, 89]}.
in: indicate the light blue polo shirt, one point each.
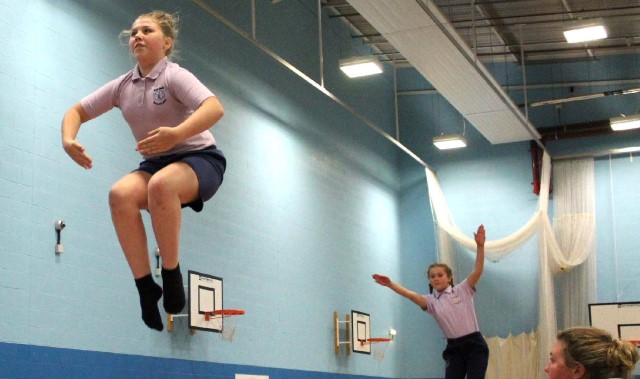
{"type": "Point", "coordinates": [165, 97]}
{"type": "Point", "coordinates": [453, 310]}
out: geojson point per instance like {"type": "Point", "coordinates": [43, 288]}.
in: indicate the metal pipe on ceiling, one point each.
{"type": "Point", "coordinates": [579, 130]}
{"type": "Point", "coordinates": [518, 21]}
{"type": "Point", "coordinates": [601, 153]}
{"type": "Point", "coordinates": [594, 83]}
{"type": "Point", "coordinates": [320, 39]}
{"type": "Point", "coordinates": [524, 79]}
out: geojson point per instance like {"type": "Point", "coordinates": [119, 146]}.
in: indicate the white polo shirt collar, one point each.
{"type": "Point", "coordinates": [155, 72]}
{"type": "Point", "coordinates": [448, 290]}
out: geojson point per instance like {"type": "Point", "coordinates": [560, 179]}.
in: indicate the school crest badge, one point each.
{"type": "Point", "coordinates": [159, 96]}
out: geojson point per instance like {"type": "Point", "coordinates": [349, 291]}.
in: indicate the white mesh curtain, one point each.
{"type": "Point", "coordinates": [574, 225]}
{"type": "Point", "coordinates": [574, 203]}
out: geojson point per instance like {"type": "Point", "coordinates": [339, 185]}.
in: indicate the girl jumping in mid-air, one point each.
{"type": "Point", "coordinates": [452, 307]}
{"type": "Point", "coordinates": [170, 112]}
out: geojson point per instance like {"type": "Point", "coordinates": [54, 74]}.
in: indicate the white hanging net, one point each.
{"type": "Point", "coordinates": [562, 247]}
{"type": "Point", "coordinates": [378, 349]}
{"type": "Point", "coordinates": [225, 321]}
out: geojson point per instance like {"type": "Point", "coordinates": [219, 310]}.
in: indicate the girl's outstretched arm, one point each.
{"type": "Point", "coordinates": [385, 281]}
{"type": "Point", "coordinates": [475, 274]}
{"type": "Point", "coordinates": [71, 122]}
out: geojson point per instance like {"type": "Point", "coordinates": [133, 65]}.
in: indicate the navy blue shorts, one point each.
{"type": "Point", "coordinates": [466, 357]}
{"type": "Point", "coordinates": [209, 164]}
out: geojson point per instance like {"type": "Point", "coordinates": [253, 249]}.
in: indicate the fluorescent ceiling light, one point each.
{"type": "Point", "coordinates": [449, 141]}
{"type": "Point", "coordinates": [360, 66]}
{"type": "Point", "coordinates": [585, 33]}
{"type": "Point", "coordinates": [625, 122]}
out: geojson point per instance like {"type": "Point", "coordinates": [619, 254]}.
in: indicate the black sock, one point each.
{"type": "Point", "coordinates": [174, 300]}
{"type": "Point", "coordinates": [150, 293]}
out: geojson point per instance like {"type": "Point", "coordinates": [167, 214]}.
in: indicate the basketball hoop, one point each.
{"type": "Point", "coordinates": [228, 328]}
{"type": "Point", "coordinates": [379, 346]}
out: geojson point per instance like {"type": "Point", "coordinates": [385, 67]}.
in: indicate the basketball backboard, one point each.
{"type": "Point", "coordinates": [360, 332]}
{"type": "Point", "coordinates": [205, 296]}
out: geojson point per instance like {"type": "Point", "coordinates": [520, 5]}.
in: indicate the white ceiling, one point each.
{"type": "Point", "coordinates": [422, 34]}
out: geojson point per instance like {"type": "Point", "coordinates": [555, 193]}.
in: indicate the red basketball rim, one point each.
{"type": "Point", "coordinates": [228, 312]}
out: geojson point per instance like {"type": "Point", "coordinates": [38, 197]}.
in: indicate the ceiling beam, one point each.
{"type": "Point", "coordinates": [423, 35]}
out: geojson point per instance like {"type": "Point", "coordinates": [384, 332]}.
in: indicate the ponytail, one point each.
{"type": "Point", "coordinates": [600, 354]}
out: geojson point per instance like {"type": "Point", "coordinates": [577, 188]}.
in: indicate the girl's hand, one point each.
{"type": "Point", "coordinates": [76, 151]}
{"type": "Point", "coordinates": [158, 141]}
{"type": "Point", "coordinates": [382, 280]}
{"type": "Point", "coordinates": [479, 236]}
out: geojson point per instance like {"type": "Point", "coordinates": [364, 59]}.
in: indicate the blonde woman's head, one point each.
{"type": "Point", "coordinates": [595, 354]}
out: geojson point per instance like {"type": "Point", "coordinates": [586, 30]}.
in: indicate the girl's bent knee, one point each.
{"type": "Point", "coordinates": [160, 189]}
{"type": "Point", "coordinates": [116, 197]}
{"type": "Point", "coordinates": [157, 185]}
{"type": "Point", "coordinates": [120, 196]}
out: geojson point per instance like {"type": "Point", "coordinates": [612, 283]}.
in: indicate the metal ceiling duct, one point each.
{"type": "Point", "coordinates": [424, 36]}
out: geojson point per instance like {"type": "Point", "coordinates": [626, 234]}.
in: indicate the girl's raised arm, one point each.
{"type": "Point", "coordinates": [475, 274]}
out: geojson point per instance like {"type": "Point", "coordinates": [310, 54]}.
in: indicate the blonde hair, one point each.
{"type": "Point", "coordinates": [168, 24]}
{"type": "Point", "coordinates": [447, 270]}
{"type": "Point", "coordinates": [600, 354]}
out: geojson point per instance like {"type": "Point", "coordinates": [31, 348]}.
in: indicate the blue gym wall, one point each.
{"type": "Point", "coordinates": [307, 212]}
{"type": "Point", "coordinates": [313, 203]}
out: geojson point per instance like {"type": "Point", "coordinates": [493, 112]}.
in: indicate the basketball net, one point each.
{"type": "Point", "coordinates": [378, 351]}
{"type": "Point", "coordinates": [228, 328]}
{"type": "Point", "coordinates": [378, 347]}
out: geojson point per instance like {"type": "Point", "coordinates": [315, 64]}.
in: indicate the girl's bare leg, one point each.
{"type": "Point", "coordinates": [127, 198]}
{"type": "Point", "coordinates": [169, 188]}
